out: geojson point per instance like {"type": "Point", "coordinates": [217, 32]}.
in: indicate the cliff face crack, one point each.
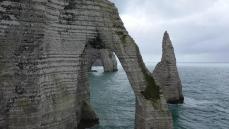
{"type": "Point", "coordinates": [53, 39]}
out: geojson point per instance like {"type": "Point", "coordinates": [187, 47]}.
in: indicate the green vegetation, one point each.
{"type": "Point", "coordinates": [120, 30]}
{"type": "Point", "coordinates": [152, 91]}
{"type": "Point", "coordinates": [26, 105]}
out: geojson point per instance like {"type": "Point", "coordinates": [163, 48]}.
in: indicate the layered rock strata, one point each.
{"type": "Point", "coordinates": [166, 73]}
{"type": "Point", "coordinates": [43, 64]}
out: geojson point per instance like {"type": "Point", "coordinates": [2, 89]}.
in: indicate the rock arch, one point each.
{"type": "Point", "coordinates": [102, 57]}
{"type": "Point", "coordinates": [43, 68]}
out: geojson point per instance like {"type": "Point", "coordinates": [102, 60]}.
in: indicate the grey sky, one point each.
{"type": "Point", "coordinates": [199, 29]}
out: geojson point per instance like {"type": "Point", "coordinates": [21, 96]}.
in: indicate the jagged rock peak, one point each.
{"type": "Point", "coordinates": [166, 73]}
{"type": "Point", "coordinates": [167, 49]}
{"type": "Point", "coordinates": [166, 35]}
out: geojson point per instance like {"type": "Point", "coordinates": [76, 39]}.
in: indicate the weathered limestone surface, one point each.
{"type": "Point", "coordinates": [102, 57]}
{"type": "Point", "coordinates": [166, 73]}
{"type": "Point", "coordinates": [43, 64]}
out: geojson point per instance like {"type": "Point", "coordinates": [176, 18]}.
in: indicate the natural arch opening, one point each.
{"type": "Point", "coordinates": [112, 98]}
{"type": "Point", "coordinates": [102, 57]}
{"type": "Point", "coordinates": [111, 94]}
{"type": "Point", "coordinates": [148, 97]}
{"type": "Point", "coordinates": [151, 108]}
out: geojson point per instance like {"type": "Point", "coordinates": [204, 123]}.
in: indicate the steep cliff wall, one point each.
{"type": "Point", "coordinates": [43, 59]}
{"type": "Point", "coordinates": [166, 73]}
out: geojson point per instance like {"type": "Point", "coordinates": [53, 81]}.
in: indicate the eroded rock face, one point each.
{"type": "Point", "coordinates": [43, 64]}
{"type": "Point", "coordinates": [166, 73]}
{"type": "Point", "coordinates": [102, 57]}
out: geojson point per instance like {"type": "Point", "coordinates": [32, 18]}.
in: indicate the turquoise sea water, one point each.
{"type": "Point", "coordinates": [205, 87]}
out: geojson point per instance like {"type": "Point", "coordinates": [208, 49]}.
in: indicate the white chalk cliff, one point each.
{"type": "Point", "coordinates": [43, 64]}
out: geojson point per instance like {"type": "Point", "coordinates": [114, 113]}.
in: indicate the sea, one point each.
{"type": "Point", "coordinates": [205, 88]}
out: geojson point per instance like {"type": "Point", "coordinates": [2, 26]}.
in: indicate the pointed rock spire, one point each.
{"type": "Point", "coordinates": [166, 73]}
{"type": "Point", "coordinates": [168, 54]}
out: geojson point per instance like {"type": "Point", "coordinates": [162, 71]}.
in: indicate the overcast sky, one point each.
{"type": "Point", "coordinates": [199, 29]}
